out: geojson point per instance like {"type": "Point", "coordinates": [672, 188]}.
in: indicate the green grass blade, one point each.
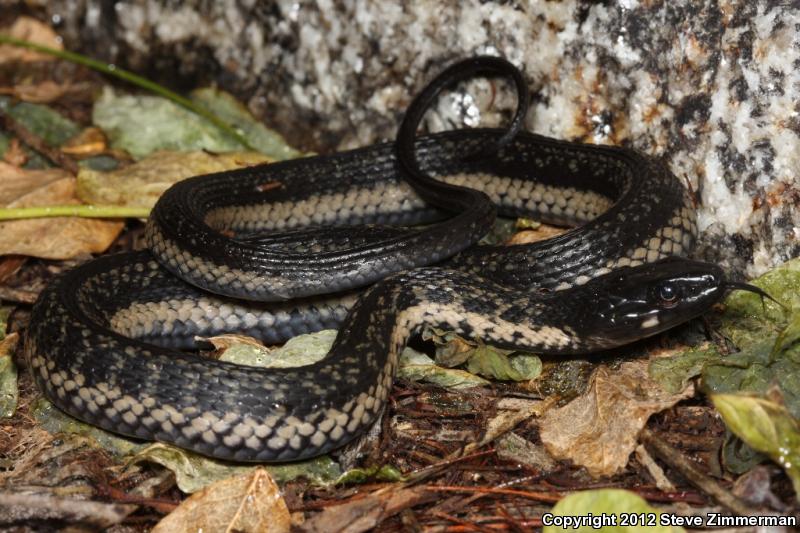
{"type": "Point", "coordinates": [130, 77]}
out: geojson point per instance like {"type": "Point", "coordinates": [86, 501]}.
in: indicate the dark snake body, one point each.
{"type": "Point", "coordinates": [93, 333]}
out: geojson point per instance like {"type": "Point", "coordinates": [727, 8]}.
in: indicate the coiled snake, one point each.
{"type": "Point", "coordinates": [103, 338]}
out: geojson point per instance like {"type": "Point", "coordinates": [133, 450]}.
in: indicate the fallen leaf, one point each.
{"type": "Point", "coordinates": [38, 93]}
{"type": "Point", "coordinates": [364, 514]}
{"type": "Point", "coordinates": [564, 379]}
{"type": "Point", "coordinates": [16, 182]}
{"type": "Point", "coordinates": [766, 426]}
{"type": "Point", "coordinates": [416, 366]}
{"type": "Point", "coordinates": [231, 111]}
{"type": "Point", "coordinates": [451, 350]}
{"type": "Point", "coordinates": [599, 507]}
{"type": "Point", "coordinates": [55, 421]}
{"type": "Point", "coordinates": [675, 372]}
{"type": "Point", "coordinates": [248, 503]}
{"type": "Point", "coordinates": [539, 233]}
{"type": "Point", "coordinates": [505, 365]}
{"type": "Point", "coordinates": [88, 143]}
{"type": "Point", "coordinates": [145, 124]}
{"type": "Point", "coordinates": [48, 238]}
{"type": "Point", "coordinates": [194, 472]}
{"type": "Point", "coordinates": [755, 487]}
{"type": "Point", "coordinates": [142, 183]}
{"type": "Point", "coordinates": [481, 359]}
{"type": "Point", "coordinates": [14, 154]}
{"type": "Point", "coordinates": [26, 68]}
{"type": "Point", "coordinates": [512, 447]}
{"type": "Point", "coordinates": [9, 392]}
{"type": "Point", "coordinates": [29, 29]}
{"type": "Point", "coordinates": [47, 124]}
{"type": "Point", "coordinates": [599, 430]}
{"type": "Point", "coordinates": [298, 351]}
{"type": "Point", "coordinates": [510, 412]}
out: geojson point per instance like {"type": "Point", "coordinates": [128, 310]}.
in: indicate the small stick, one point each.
{"type": "Point", "coordinates": [676, 460]}
{"type": "Point", "coordinates": [37, 143]}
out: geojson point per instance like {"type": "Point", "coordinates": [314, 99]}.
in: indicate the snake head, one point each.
{"type": "Point", "coordinates": [636, 302]}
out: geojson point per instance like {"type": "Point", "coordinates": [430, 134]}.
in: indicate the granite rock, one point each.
{"type": "Point", "coordinates": [711, 86]}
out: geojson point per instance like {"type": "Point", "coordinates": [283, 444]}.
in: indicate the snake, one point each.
{"type": "Point", "coordinates": [277, 250]}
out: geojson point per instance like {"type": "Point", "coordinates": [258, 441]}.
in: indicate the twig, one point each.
{"type": "Point", "coordinates": [85, 211]}
{"type": "Point", "coordinates": [473, 526]}
{"type": "Point", "coordinates": [35, 507]}
{"type": "Point", "coordinates": [547, 497]}
{"type": "Point", "coordinates": [427, 471]}
{"type": "Point", "coordinates": [55, 155]}
{"type": "Point", "coordinates": [453, 504]}
{"type": "Point", "coordinates": [676, 460]}
{"type": "Point", "coordinates": [130, 77]}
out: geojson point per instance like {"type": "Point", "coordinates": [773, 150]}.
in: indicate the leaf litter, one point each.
{"type": "Point", "coordinates": [470, 416]}
{"type": "Point", "coordinates": [52, 238]}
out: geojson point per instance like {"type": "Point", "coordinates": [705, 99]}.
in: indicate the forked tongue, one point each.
{"type": "Point", "coordinates": [752, 288]}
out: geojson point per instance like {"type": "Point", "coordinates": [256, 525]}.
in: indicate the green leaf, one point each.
{"type": "Point", "coordinates": [674, 373]}
{"type": "Point", "coordinates": [194, 472]}
{"type": "Point", "coordinates": [737, 456]}
{"type": "Point", "coordinates": [144, 124]}
{"type": "Point", "coordinates": [231, 111]}
{"type": "Point", "coordinates": [787, 337]}
{"type": "Point", "coordinates": [766, 426]}
{"type": "Point", "coordinates": [52, 127]}
{"type": "Point", "coordinates": [303, 349]}
{"type": "Point", "coordinates": [593, 504]}
{"type": "Point", "coordinates": [416, 366]}
{"type": "Point", "coordinates": [527, 365]}
{"type": "Point", "coordinates": [54, 421]}
{"type": "Point", "coordinates": [502, 230]}
{"type": "Point", "coordinates": [499, 364]}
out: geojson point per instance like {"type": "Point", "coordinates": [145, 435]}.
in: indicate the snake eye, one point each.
{"type": "Point", "coordinates": [669, 295]}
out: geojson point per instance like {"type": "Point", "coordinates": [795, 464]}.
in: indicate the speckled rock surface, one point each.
{"type": "Point", "coordinates": [712, 86]}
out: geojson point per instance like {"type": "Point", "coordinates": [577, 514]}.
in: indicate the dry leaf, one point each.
{"type": "Point", "coordinates": [16, 182]}
{"type": "Point", "coordinates": [533, 235]}
{"type": "Point", "coordinates": [223, 342]}
{"type": "Point", "coordinates": [141, 184]}
{"type": "Point", "coordinates": [48, 238]}
{"type": "Point", "coordinates": [364, 514]}
{"type": "Point", "coordinates": [38, 93]}
{"type": "Point", "coordinates": [29, 29]}
{"type": "Point", "coordinates": [247, 503]}
{"type": "Point", "coordinates": [89, 142]}
{"type": "Point", "coordinates": [15, 155]}
{"type": "Point", "coordinates": [599, 430]}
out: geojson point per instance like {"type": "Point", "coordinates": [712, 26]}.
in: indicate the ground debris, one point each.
{"type": "Point", "coordinates": [463, 454]}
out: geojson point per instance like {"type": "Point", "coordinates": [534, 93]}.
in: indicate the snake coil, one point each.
{"type": "Point", "coordinates": [104, 339]}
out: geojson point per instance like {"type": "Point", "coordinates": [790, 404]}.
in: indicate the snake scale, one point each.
{"type": "Point", "coordinates": [105, 339]}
